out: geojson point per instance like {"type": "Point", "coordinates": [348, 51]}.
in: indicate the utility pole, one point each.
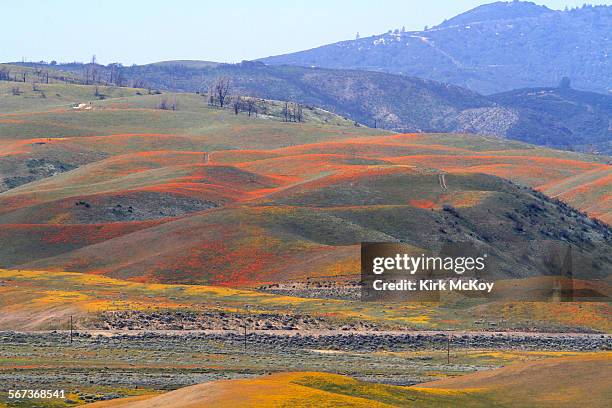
{"type": "Point", "coordinates": [70, 329]}
{"type": "Point", "coordinates": [246, 307]}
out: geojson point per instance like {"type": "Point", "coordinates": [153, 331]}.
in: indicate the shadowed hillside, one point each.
{"type": "Point", "coordinates": [562, 117]}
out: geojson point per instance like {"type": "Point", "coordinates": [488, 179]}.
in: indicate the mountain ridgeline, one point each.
{"type": "Point", "coordinates": [558, 117]}
{"type": "Point", "coordinates": [493, 48]}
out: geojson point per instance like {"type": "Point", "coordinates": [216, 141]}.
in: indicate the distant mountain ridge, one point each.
{"type": "Point", "coordinates": [560, 116]}
{"type": "Point", "coordinates": [493, 48]}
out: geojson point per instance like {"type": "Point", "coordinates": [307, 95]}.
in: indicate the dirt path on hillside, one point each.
{"type": "Point", "coordinates": [442, 181]}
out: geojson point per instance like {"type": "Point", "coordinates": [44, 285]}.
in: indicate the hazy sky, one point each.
{"type": "Point", "coordinates": [144, 31]}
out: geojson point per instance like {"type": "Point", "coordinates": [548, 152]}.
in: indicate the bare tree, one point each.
{"type": "Point", "coordinates": [90, 71]}
{"type": "Point", "coordinates": [285, 112]}
{"type": "Point", "coordinates": [293, 112]}
{"type": "Point", "coordinates": [250, 105]}
{"type": "Point", "coordinates": [237, 104]}
{"type": "Point", "coordinates": [138, 83]}
{"type": "Point", "coordinates": [163, 103]}
{"type": "Point", "coordinates": [5, 74]}
{"type": "Point", "coordinates": [211, 95]}
{"type": "Point", "coordinates": [94, 70]}
{"type": "Point", "coordinates": [221, 89]}
{"type": "Point", "coordinates": [116, 74]}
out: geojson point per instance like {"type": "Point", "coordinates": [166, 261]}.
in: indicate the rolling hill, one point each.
{"type": "Point", "coordinates": [493, 48]}
{"type": "Point", "coordinates": [255, 200]}
{"type": "Point", "coordinates": [556, 117]}
{"type": "Point", "coordinates": [40, 300]}
{"type": "Point", "coordinates": [190, 233]}
{"type": "Point", "coordinates": [554, 382]}
{"type": "Point", "coordinates": [363, 96]}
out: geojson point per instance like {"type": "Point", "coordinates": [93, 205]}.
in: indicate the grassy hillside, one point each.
{"type": "Point", "coordinates": [187, 212]}
{"type": "Point", "coordinates": [71, 126]}
{"type": "Point", "coordinates": [547, 116]}
{"type": "Point", "coordinates": [557, 382]}
{"type": "Point", "coordinates": [49, 74]}
{"type": "Point", "coordinates": [288, 208]}
{"type": "Point", "coordinates": [43, 300]}
{"type": "Point", "coordinates": [364, 96]}
{"type": "Point", "coordinates": [19, 97]}
{"type": "Point", "coordinates": [254, 199]}
{"type": "Point", "coordinates": [563, 382]}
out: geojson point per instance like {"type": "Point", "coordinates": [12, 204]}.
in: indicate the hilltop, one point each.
{"type": "Point", "coordinates": [557, 117]}
{"type": "Point", "coordinates": [497, 11]}
{"type": "Point", "coordinates": [374, 99]}
{"type": "Point", "coordinates": [493, 48]}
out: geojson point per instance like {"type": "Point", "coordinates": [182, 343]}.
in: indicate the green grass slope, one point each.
{"type": "Point", "coordinates": [297, 231]}
{"type": "Point", "coordinates": [555, 382]}
{"type": "Point", "coordinates": [562, 118]}
{"type": "Point", "coordinates": [256, 199]}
